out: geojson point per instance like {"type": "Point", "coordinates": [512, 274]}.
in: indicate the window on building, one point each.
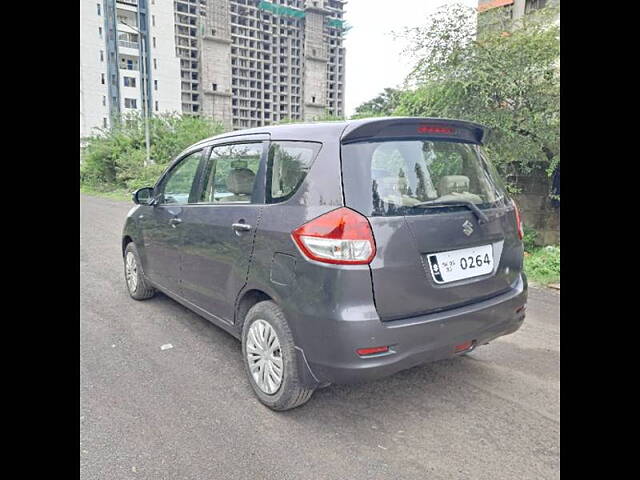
{"type": "Point", "coordinates": [102, 78]}
{"type": "Point", "coordinates": [155, 84]}
{"type": "Point", "coordinates": [131, 103]}
{"type": "Point", "coordinates": [99, 13]}
{"type": "Point", "coordinates": [101, 56]}
{"type": "Point", "coordinates": [153, 20]}
{"type": "Point", "coordinates": [104, 122]}
{"type": "Point", "coordinates": [104, 100]}
{"type": "Point", "coordinates": [154, 42]}
{"type": "Point", "coordinates": [100, 31]}
{"type": "Point", "coordinates": [129, 81]}
{"type": "Point", "coordinates": [156, 105]}
{"type": "Point", "coordinates": [155, 64]}
{"type": "Point", "coordinates": [214, 86]}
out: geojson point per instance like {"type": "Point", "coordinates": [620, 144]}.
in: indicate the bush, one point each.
{"type": "Point", "coordinates": [529, 239]}
{"type": "Point", "coordinates": [113, 159]}
{"type": "Point", "coordinates": [543, 265]}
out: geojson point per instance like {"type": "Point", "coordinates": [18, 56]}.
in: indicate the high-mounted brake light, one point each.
{"type": "Point", "coordinates": [434, 129]}
{"type": "Point", "coordinates": [518, 220]}
{"type": "Point", "coordinates": [340, 236]}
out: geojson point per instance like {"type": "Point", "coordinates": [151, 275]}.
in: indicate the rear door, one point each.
{"type": "Point", "coordinates": [414, 180]}
{"type": "Point", "coordinates": [219, 228]}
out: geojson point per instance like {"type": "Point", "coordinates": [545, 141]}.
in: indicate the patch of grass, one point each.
{"type": "Point", "coordinates": [542, 265]}
{"type": "Point", "coordinates": [115, 194]}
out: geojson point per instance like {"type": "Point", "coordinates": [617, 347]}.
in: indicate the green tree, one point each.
{"type": "Point", "coordinates": [113, 158]}
{"type": "Point", "coordinates": [380, 106]}
{"type": "Point", "coordinates": [508, 80]}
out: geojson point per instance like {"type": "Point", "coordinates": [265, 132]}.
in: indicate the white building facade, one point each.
{"type": "Point", "coordinates": [128, 60]}
{"type": "Point", "coordinates": [245, 63]}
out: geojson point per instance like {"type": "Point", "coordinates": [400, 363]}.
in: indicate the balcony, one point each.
{"type": "Point", "coordinates": [127, 44]}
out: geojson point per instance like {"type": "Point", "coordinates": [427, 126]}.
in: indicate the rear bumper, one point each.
{"type": "Point", "coordinates": [412, 341]}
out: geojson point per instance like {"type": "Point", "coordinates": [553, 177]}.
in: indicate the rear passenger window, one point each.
{"type": "Point", "coordinates": [231, 173]}
{"type": "Point", "coordinates": [289, 163]}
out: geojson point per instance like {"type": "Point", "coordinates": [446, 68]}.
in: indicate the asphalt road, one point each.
{"type": "Point", "coordinates": [189, 412]}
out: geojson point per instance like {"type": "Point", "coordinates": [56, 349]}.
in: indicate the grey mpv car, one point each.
{"type": "Point", "coordinates": [336, 252]}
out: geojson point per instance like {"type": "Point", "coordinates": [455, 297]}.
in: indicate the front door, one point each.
{"type": "Point", "coordinates": [161, 223]}
{"type": "Point", "coordinates": [220, 228]}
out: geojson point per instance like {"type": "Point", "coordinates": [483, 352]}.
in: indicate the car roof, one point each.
{"type": "Point", "coordinates": [337, 129]}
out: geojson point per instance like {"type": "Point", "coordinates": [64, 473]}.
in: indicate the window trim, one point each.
{"type": "Point", "coordinates": [269, 200]}
{"type": "Point", "coordinates": [257, 196]}
{"type": "Point", "coordinates": [195, 185]}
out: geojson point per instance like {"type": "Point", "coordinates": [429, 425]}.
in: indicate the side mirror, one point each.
{"type": "Point", "coordinates": [142, 196]}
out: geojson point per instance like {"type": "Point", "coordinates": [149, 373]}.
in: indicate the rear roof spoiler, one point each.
{"type": "Point", "coordinates": [374, 129]}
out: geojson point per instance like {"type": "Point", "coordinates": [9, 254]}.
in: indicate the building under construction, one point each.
{"type": "Point", "coordinates": [263, 62]}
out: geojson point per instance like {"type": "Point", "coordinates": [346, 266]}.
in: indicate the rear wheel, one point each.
{"type": "Point", "coordinates": [137, 285]}
{"type": "Point", "coordinates": [270, 359]}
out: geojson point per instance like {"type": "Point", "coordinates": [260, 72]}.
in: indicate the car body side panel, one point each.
{"type": "Point", "coordinates": [215, 258]}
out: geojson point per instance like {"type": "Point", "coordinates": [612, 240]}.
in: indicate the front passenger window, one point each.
{"type": "Point", "coordinates": [179, 181]}
{"type": "Point", "coordinates": [232, 173]}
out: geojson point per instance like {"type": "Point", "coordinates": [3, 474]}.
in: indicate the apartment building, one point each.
{"type": "Point", "coordinates": [245, 63]}
{"type": "Point", "coordinates": [127, 60]}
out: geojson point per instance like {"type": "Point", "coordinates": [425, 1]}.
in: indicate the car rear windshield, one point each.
{"type": "Point", "coordinates": [414, 177]}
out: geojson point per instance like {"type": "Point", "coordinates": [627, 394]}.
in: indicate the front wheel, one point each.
{"type": "Point", "coordinates": [137, 285]}
{"type": "Point", "coordinates": [270, 358]}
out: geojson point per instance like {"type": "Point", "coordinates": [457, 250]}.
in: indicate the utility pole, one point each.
{"type": "Point", "coordinates": [145, 102]}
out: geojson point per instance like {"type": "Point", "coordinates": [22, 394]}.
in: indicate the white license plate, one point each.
{"type": "Point", "coordinates": [460, 264]}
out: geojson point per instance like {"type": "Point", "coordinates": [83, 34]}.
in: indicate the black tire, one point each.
{"type": "Point", "coordinates": [291, 393]}
{"type": "Point", "coordinates": [142, 289]}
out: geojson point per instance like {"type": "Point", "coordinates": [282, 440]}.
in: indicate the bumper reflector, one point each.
{"type": "Point", "coordinates": [372, 350]}
{"type": "Point", "coordinates": [463, 347]}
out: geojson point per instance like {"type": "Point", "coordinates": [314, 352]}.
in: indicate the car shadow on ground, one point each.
{"type": "Point", "coordinates": [455, 384]}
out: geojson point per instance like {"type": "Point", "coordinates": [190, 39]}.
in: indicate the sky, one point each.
{"type": "Point", "coordinates": [374, 60]}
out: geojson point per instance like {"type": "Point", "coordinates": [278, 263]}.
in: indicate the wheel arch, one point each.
{"type": "Point", "coordinates": [246, 300]}
{"type": "Point", "coordinates": [126, 240]}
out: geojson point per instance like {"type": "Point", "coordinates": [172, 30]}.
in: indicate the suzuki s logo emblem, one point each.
{"type": "Point", "coordinates": [467, 228]}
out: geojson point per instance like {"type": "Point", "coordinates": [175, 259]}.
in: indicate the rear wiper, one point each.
{"type": "Point", "coordinates": [482, 218]}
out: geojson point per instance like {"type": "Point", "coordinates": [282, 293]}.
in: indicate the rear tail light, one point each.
{"type": "Point", "coordinates": [340, 236]}
{"type": "Point", "coordinates": [518, 220]}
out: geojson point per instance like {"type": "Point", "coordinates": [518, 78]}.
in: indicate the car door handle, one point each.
{"type": "Point", "coordinates": [175, 222]}
{"type": "Point", "coordinates": [241, 227]}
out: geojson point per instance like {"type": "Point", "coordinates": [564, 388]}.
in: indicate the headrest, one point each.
{"type": "Point", "coordinates": [240, 181]}
{"type": "Point", "coordinates": [453, 184]}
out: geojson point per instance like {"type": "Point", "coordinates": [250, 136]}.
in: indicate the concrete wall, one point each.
{"type": "Point", "coordinates": [215, 64]}
{"type": "Point", "coordinates": [537, 208]}
{"type": "Point", "coordinates": [216, 103]}
{"type": "Point", "coordinates": [168, 71]}
{"type": "Point", "coordinates": [315, 65]}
